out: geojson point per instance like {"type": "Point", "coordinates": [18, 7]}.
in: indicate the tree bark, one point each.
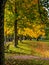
{"type": "Point", "coordinates": [15, 26]}
{"type": "Point", "coordinates": [16, 34]}
{"type": "Point", "coordinates": [2, 5]}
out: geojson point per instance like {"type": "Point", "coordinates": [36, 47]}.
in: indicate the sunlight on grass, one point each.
{"type": "Point", "coordinates": [22, 48]}
{"type": "Point", "coordinates": [27, 47]}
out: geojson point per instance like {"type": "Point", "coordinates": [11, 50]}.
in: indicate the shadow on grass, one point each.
{"type": "Point", "coordinates": [13, 52]}
{"type": "Point", "coordinates": [26, 43]}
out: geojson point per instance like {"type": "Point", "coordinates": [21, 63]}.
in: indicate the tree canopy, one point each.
{"type": "Point", "coordinates": [28, 17]}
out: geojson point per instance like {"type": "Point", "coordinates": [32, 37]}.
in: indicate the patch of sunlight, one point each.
{"type": "Point", "coordinates": [20, 49]}
{"type": "Point", "coordinates": [25, 47]}
{"type": "Point", "coordinates": [46, 53]}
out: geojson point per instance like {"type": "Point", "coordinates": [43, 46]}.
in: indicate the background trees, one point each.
{"type": "Point", "coordinates": [44, 5]}
{"type": "Point", "coordinates": [26, 15]}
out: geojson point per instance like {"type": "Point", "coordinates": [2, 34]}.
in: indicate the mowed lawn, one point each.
{"type": "Point", "coordinates": [28, 47]}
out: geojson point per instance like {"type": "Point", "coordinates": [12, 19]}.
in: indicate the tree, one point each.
{"type": "Point", "coordinates": [24, 12]}
{"type": "Point", "coordinates": [43, 6]}
{"type": "Point", "coordinates": [11, 20]}
{"type": "Point", "coordinates": [15, 26]}
{"type": "Point", "coordinates": [2, 5]}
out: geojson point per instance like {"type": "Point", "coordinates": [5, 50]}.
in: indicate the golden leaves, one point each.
{"type": "Point", "coordinates": [34, 32]}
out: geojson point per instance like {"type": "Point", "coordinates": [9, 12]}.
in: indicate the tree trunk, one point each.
{"type": "Point", "coordinates": [15, 27]}
{"type": "Point", "coordinates": [37, 39]}
{"type": "Point", "coordinates": [2, 4]}
{"type": "Point", "coordinates": [16, 36]}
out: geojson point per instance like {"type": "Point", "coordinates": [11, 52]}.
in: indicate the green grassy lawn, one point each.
{"type": "Point", "coordinates": [27, 47]}
{"type": "Point", "coordinates": [23, 48]}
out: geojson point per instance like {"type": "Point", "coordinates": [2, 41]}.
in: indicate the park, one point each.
{"type": "Point", "coordinates": [24, 35]}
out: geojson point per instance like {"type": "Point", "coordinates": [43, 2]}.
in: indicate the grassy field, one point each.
{"type": "Point", "coordinates": [27, 47]}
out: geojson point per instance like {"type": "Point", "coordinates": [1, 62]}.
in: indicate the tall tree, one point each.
{"type": "Point", "coordinates": [43, 6]}
{"type": "Point", "coordinates": [2, 5]}
{"type": "Point", "coordinates": [15, 26]}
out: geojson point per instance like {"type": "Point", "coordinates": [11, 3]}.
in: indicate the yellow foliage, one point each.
{"type": "Point", "coordinates": [8, 12]}
{"type": "Point", "coordinates": [35, 32]}
{"type": "Point", "coordinates": [8, 31]}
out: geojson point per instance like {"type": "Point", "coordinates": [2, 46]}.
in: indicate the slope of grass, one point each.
{"type": "Point", "coordinates": [21, 49]}
{"type": "Point", "coordinates": [27, 47]}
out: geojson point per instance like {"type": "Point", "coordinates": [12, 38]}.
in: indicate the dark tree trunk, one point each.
{"type": "Point", "coordinates": [16, 36]}
{"type": "Point", "coordinates": [15, 27]}
{"type": "Point", "coordinates": [2, 5]}
{"type": "Point", "coordinates": [37, 39]}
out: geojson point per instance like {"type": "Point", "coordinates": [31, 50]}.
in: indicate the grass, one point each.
{"type": "Point", "coordinates": [27, 47]}
{"type": "Point", "coordinates": [21, 49]}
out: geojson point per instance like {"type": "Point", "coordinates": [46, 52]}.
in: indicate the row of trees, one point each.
{"type": "Point", "coordinates": [23, 17]}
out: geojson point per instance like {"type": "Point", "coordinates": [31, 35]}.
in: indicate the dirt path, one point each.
{"type": "Point", "coordinates": [26, 57]}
